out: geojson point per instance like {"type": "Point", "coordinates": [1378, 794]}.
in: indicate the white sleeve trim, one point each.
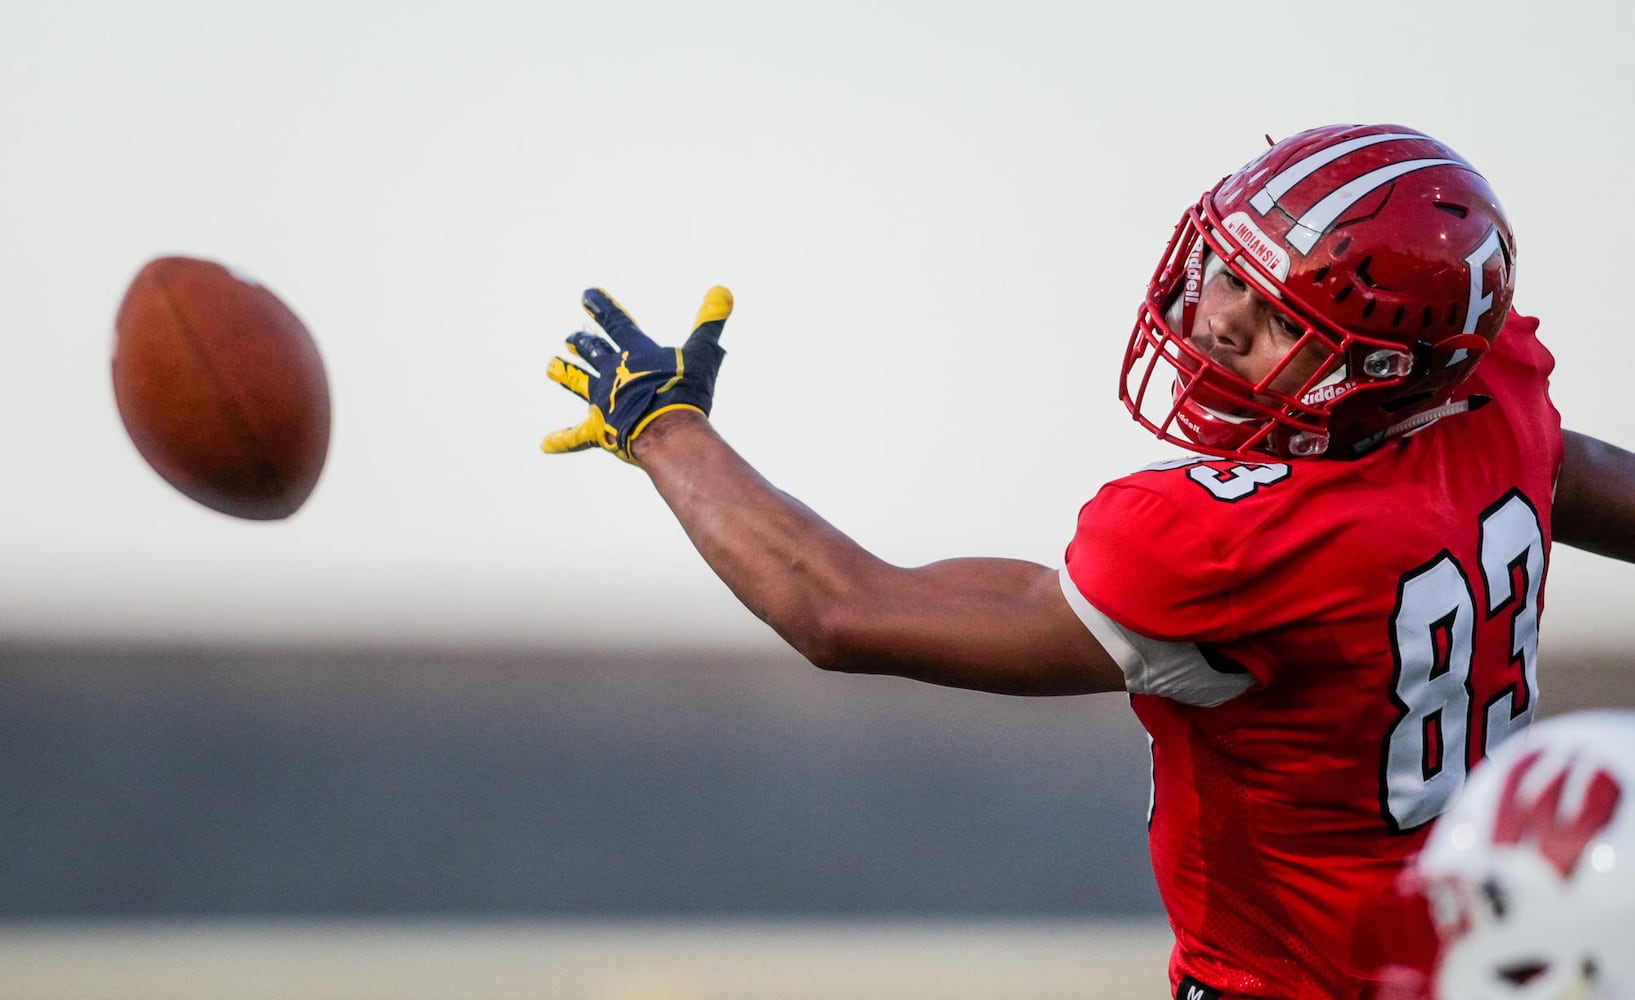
{"type": "Point", "coordinates": [1174, 670]}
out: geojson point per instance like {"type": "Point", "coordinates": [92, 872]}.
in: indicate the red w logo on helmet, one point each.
{"type": "Point", "coordinates": [1561, 839]}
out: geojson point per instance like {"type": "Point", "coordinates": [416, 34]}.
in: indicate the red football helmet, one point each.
{"type": "Point", "coordinates": [1385, 247]}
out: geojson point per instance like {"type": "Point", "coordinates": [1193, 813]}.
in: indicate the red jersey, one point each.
{"type": "Point", "coordinates": [1319, 651]}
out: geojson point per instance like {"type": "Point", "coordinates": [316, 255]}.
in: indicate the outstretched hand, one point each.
{"type": "Point", "coordinates": [629, 380]}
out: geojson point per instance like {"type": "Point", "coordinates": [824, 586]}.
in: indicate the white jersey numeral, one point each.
{"type": "Point", "coordinates": [1516, 548]}
{"type": "Point", "coordinates": [1433, 633]}
{"type": "Point", "coordinates": [1240, 480]}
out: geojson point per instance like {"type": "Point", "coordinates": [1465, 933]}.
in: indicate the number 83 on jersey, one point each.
{"type": "Point", "coordinates": [1433, 645]}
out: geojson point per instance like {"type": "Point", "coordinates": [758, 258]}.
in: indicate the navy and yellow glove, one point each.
{"type": "Point", "coordinates": [634, 379]}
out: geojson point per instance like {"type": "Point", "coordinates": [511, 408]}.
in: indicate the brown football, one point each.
{"type": "Point", "coordinates": [221, 388]}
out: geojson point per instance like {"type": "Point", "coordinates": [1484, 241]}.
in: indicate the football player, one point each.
{"type": "Point", "coordinates": [1323, 619]}
{"type": "Point", "coordinates": [1528, 876]}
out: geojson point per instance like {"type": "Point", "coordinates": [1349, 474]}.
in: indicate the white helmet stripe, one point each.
{"type": "Point", "coordinates": [1300, 169]}
{"type": "Point", "coordinates": [1306, 231]}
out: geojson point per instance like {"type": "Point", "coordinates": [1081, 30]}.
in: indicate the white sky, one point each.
{"type": "Point", "coordinates": [937, 219]}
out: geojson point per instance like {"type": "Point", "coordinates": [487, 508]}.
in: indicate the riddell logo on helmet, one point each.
{"type": "Point", "coordinates": [1326, 393]}
{"type": "Point", "coordinates": [1257, 244]}
{"type": "Point", "coordinates": [1194, 273]}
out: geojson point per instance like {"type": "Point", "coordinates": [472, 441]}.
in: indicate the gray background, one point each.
{"type": "Point", "coordinates": [187, 782]}
{"type": "Point", "coordinates": [175, 782]}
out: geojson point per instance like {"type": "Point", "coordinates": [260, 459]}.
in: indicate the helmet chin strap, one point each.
{"type": "Point", "coordinates": [1454, 349]}
{"type": "Point", "coordinates": [1425, 418]}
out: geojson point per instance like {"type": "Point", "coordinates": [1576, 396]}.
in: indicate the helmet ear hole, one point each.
{"type": "Point", "coordinates": [1522, 973]}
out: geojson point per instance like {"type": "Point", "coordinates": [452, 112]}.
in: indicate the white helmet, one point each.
{"type": "Point", "coordinates": [1531, 873]}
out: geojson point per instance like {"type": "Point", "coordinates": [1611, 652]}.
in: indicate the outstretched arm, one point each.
{"type": "Point", "coordinates": [1595, 498]}
{"type": "Point", "coordinates": [997, 625]}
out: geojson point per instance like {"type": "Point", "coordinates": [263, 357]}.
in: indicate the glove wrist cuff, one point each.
{"type": "Point", "coordinates": [661, 411]}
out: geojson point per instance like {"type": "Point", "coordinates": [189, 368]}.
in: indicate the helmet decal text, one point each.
{"type": "Point", "coordinates": [1257, 244]}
